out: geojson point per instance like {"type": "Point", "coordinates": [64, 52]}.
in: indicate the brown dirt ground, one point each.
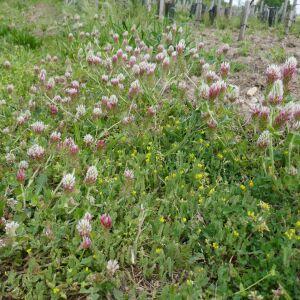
{"type": "Point", "coordinates": [43, 17]}
{"type": "Point", "coordinates": [261, 46]}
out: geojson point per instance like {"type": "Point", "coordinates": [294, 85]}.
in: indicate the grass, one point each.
{"type": "Point", "coordinates": [185, 201]}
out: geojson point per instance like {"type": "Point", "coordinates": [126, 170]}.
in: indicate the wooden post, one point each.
{"type": "Point", "coordinates": [148, 3]}
{"type": "Point", "coordinates": [198, 10]}
{"type": "Point", "coordinates": [244, 21]}
{"type": "Point", "coordinates": [285, 5]}
{"type": "Point", "coordinates": [230, 9]}
{"type": "Point", "coordinates": [161, 9]}
{"type": "Point", "coordinates": [261, 9]}
{"type": "Point", "coordinates": [219, 7]}
{"type": "Point", "coordinates": [291, 17]}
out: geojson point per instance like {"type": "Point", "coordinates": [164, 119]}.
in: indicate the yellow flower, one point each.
{"type": "Point", "coordinates": [243, 188]}
{"type": "Point", "coordinates": [162, 219]}
{"type": "Point", "coordinates": [291, 233]}
{"type": "Point", "coordinates": [158, 250]}
{"type": "Point", "coordinates": [298, 224]}
{"type": "Point", "coordinates": [251, 183]}
{"type": "Point", "coordinates": [264, 205]}
{"type": "Point", "coordinates": [235, 233]}
{"type": "Point", "coordinates": [200, 166]}
{"type": "Point", "coordinates": [28, 250]}
{"type": "Point", "coordinates": [219, 155]}
{"type": "Point", "coordinates": [133, 193]}
{"type": "Point", "coordinates": [55, 290]}
{"type": "Point", "coordinates": [251, 215]}
{"type": "Point", "coordinates": [183, 220]}
{"type": "Point", "coordinates": [200, 200]}
{"type": "Point", "coordinates": [199, 176]}
{"type": "Point", "coordinates": [215, 245]}
{"type": "Point", "coordinates": [189, 282]}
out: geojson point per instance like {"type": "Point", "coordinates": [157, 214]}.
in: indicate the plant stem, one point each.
{"type": "Point", "coordinates": [290, 152]}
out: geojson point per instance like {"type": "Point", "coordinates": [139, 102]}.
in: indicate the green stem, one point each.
{"type": "Point", "coordinates": [254, 284]}
{"type": "Point", "coordinates": [23, 196]}
{"type": "Point", "coordinates": [272, 155]}
{"type": "Point", "coordinates": [290, 152]}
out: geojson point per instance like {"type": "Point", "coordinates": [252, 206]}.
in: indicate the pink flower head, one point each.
{"type": "Point", "coordinates": [88, 216]}
{"type": "Point", "coordinates": [223, 49]}
{"type": "Point", "coordinates": [42, 75]}
{"type": "Point", "coordinates": [84, 227]}
{"type": "Point", "coordinates": [132, 60]}
{"type": "Point", "coordinates": [264, 139]}
{"type": "Point", "coordinates": [289, 70]}
{"type": "Point", "coordinates": [216, 89]}
{"type": "Point", "coordinates": [166, 63]}
{"type": "Point", "coordinates": [129, 174]}
{"type": "Point", "coordinates": [101, 144]}
{"type": "Point", "coordinates": [21, 175]}
{"type": "Point", "coordinates": [116, 37]}
{"type": "Point", "coordinates": [36, 152]}
{"type": "Point", "coordinates": [151, 111]}
{"type": "Point", "coordinates": [119, 53]}
{"type": "Point", "coordinates": [38, 127]}
{"type": "Point", "coordinates": [273, 73]}
{"type": "Point", "coordinates": [91, 175]}
{"type": "Point", "coordinates": [283, 117]}
{"type": "Point", "coordinates": [200, 46]}
{"type": "Point", "coordinates": [224, 70]}
{"type": "Point", "coordinates": [180, 47]}
{"type": "Point", "coordinates": [134, 88]}
{"type": "Point", "coordinates": [55, 137]}
{"type": "Point", "coordinates": [68, 182]}
{"type": "Point", "coordinates": [50, 84]}
{"type": "Point", "coordinates": [53, 109]}
{"type": "Point", "coordinates": [106, 221]}
{"type": "Point", "coordinates": [86, 242]}
{"type": "Point", "coordinates": [276, 94]}
{"type": "Point", "coordinates": [212, 124]}
{"type": "Point", "coordinates": [114, 58]}
{"type": "Point", "coordinates": [211, 76]}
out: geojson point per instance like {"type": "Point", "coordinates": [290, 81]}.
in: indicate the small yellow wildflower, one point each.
{"type": "Point", "coordinates": [220, 156]}
{"type": "Point", "coordinates": [235, 233]}
{"type": "Point", "coordinates": [183, 220]}
{"type": "Point", "coordinates": [243, 188]}
{"type": "Point", "coordinates": [133, 193]}
{"type": "Point", "coordinates": [298, 224]}
{"type": "Point", "coordinates": [251, 183]}
{"type": "Point", "coordinates": [158, 250]}
{"type": "Point", "coordinates": [215, 245]}
{"type": "Point", "coordinates": [291, 233]}
{"type": "Point", "coordinates": [55, 290]}
{"type": "Point", "coordinates": [189, 282]}
{"type": "Point", "coordinates": [251, 215]}
{"type": "Point", "coordinates": [199, 176]}
{"type": "Point", "coordinates": [162, 219]}
{"type": "Point", "coordinates": [264, 205]}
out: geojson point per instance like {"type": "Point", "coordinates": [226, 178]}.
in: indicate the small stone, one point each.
{"type": "Point", "coordinates": [251, 92]}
